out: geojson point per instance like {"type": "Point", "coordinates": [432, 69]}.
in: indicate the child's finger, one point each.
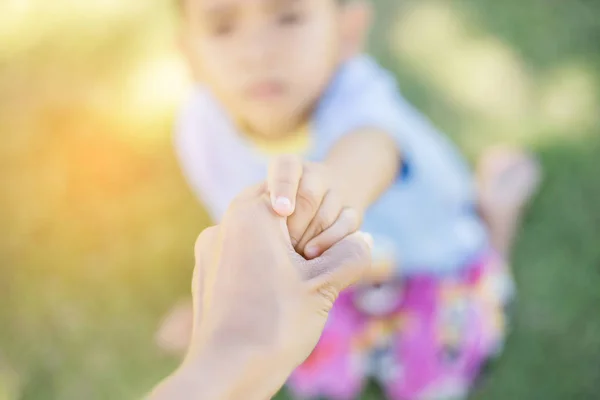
{"type": "Point", "coordinates": [347, 223]}
{"type": "Point", "coordinates": [283, 181]}
{"type": "Point", "coordinates": [327, 214]}
{"type": "Point", "coordinates": [311, 192]}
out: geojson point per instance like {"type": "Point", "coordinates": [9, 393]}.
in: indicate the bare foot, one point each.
{"type": "Point", "coordinates": [175, 331]}
{"type": "Point", "coordinates": [507, 179]}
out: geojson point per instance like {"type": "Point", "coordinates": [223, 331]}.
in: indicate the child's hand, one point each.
{"type": "Point", "coordinates": [317, 217]}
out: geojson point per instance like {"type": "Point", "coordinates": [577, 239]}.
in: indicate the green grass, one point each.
{"type": "Point", "coordinates": [98, 224]}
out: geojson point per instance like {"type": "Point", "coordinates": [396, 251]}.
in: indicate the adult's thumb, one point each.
{"type": "Point", "coordinates": [343, 264]}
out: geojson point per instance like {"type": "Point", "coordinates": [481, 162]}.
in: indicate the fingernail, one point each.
{"type": "Point", "coordinates": [283, 206]}
{"type": "Point", "coordinates": [311, 251]}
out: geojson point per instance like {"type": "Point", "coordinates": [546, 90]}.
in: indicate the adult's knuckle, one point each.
{"type": "Point", "coordinates": [329, 293]}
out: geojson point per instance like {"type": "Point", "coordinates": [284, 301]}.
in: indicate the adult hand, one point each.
{"type": "Point", "coordinates": [259, 307]}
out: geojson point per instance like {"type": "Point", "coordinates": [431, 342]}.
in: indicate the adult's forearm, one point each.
{"type": "Point", "coordinates": [363, 165]}
{"type": "Point", "coordinates": [224, 374]}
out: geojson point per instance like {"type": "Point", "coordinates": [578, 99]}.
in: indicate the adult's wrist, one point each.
{"type": "Point", "coordinates": [237, 371]}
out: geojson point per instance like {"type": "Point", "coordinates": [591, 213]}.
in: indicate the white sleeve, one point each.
{"type": "Point", "coordinates": [193, 146]}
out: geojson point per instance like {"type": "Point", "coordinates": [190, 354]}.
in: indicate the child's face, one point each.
{"type": "Point", "coordinates": [268, 61]}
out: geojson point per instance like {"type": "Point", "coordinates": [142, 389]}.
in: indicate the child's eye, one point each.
{"type": "Point", "coordinates": [290, 18]}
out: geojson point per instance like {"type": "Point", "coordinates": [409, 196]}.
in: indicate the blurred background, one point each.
{"type": "Point", "coordinates": [98, 225]}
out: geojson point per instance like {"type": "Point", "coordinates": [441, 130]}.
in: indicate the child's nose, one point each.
{"type": "Point", "coordinates": [258, 48]}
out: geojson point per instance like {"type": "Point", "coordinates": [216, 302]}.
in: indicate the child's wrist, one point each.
{"type": "Point", "coordinates": [349, 195]}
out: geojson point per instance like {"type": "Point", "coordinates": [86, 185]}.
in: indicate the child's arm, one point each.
{"type": "Point", "coordinates": [362, 166]}
{"type": "Point", "coordinates": [326, 202]}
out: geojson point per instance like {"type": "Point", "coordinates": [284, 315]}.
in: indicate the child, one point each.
{"type": "Point", "coordinates": [288, 77]}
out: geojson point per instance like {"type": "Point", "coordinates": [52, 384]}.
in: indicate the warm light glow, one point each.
{"type": "Point", "coordinates": [159, 84]}
{"type": "Point", "coordinates": [481, 74]}
{"type": "Point", "coordinates": [569, 99]}
{"type": "Point", "coordinates": [484, 78]}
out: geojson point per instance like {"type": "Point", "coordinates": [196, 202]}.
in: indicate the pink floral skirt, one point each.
{"type": "Point", "coordinates": [425, 338]}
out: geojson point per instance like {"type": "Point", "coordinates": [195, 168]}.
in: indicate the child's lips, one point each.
{"type": "Point", "coordinates": [266, 91]}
